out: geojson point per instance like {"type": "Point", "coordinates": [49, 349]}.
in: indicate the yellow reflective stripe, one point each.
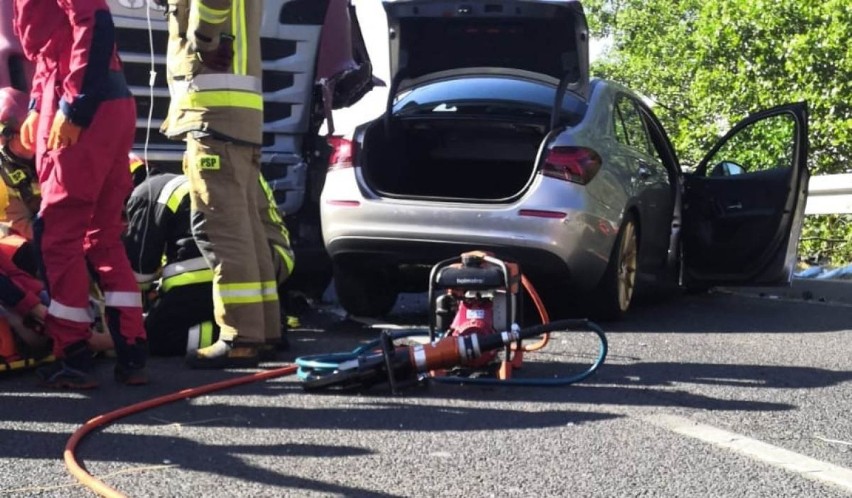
{"type": "Point", "coordinates": [270, 290]}
{"type": "Point", "coordinates": [188, 278]}
{"type": "Point", "coordinates": [240, 293]}
{"type": "Point", "coordinates": [223, 98]}
{"type": "Point", "coordinates": [169, 189]}
{"type": "Point", "coordinates": [177, 196]}
{"type": "Point", "coordinates": [245, 293]}
{"type": "Point", "coordinates": [210, 15]}
{"type": "Point", "coordinates": [206, 335]}
{"type": "Point", "coordinates": [241, 287]}
{"type": "Point", "coordinates": [287, 259]}
{"type": "Point", "coordinates": [238, 27]}
{"type": "Point", "coordinates": [274, 214]}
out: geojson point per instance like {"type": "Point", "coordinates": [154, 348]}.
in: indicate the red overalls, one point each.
{"type": "Point", "coordinates": [84, 185]}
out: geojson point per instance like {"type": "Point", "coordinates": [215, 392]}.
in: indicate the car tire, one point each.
{"type": "Point", "coordinates": [364, 292]}
{"type": "Point", "coordinates": [615, 291]}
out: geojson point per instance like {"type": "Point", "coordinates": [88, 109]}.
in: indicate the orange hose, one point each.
{"type": "Point", "coordinates": [539, 306]}
{"type": "Point", "coordinates": [99, 486]}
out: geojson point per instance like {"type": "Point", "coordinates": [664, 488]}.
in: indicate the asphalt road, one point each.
{"type": "Point", "coordinates": [704, 396]}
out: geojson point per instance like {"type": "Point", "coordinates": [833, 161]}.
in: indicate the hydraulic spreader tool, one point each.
{"type": "Point", "coordinates": [474, 337]}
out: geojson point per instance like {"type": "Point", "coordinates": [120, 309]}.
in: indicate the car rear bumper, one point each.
{"type": "Point", "coordinates": [548, 239]}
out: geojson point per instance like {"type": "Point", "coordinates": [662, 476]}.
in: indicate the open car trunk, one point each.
{"type": "Point", "coordinates": [451, 158]}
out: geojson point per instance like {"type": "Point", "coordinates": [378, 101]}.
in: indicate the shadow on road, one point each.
{"type": "Point", "coordinates": [152, 450]}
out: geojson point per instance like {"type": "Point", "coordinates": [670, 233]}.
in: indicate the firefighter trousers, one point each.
{"type": "Point", "coordinates": [226, 194]}
{"type": "Point", "coordinates": [80, 223]}
{"type": "Point", "coordinates": [173, 314]}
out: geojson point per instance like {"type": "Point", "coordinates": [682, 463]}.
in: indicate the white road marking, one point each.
{"type": "Point", "coordinates": [790, 461]}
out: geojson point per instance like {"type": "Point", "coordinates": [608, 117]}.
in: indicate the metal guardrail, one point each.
{"type": "Point", "coordinates": [830, 194]}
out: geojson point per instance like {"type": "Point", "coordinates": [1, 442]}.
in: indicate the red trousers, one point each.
{"type": "Point", "coordinates": [84, 187]}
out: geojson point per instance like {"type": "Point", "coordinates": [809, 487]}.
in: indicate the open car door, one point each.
{"type": "Point", "coordinates": [745, 202]}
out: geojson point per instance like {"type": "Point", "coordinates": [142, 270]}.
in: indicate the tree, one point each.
{"type": "Point", "coordinates": [709, 63]}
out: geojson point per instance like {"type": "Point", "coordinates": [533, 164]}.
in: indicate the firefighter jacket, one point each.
{"type": "Point", "coordinates": [159, 237]}
{"type": "Point", "coordinates": [84, 72]}
{"type": "Point", "coordinates": [22, 191]}
{"type": "Point", "coordinates": [227, 105]}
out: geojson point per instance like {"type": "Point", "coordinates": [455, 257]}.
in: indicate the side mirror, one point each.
{"type": "Point", "coordinates": [727, 168]}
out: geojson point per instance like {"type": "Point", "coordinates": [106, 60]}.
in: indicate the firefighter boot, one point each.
{"type": "Point", "coordinates": [130, 368]}
{"type": "Point", "coordinates": [270, 349]}
{"type": "Point", "coordinates": [73, 371]}
{"type": "Point", "coordinates": [224, 354]}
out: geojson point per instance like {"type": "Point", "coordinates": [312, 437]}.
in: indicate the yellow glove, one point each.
{"type": "Point", "coordinates": [28, 131]}
{"type": "Point", "coordinates": [63, 133]}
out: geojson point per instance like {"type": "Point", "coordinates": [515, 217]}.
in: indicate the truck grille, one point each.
{"type": "Point", "coordinates": [133, 45]}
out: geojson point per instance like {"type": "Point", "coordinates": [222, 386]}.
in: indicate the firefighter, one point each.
{"type": "Point", "coordinates": [214, 72]}
{"type": "Point", "coordinates": [23, 304]}
{"type": "Point", "coordinates": [17, 166]}
{"type": "Point", "coordinates": [163, 253]}
{"type": "Point", "coordinates": [81, 127]}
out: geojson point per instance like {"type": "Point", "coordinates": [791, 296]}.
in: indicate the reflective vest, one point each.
{"type": "Point", "coordinates": [229, 105]}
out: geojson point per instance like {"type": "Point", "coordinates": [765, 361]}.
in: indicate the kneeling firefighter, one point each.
{"type": "Point", "coordinates": [17, 166]}
{"type": "Point", "coordinates": [171, 271]}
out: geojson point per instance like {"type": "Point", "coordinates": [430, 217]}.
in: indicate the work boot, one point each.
{"type": "Point", "coordinates": [224, 354]}
{"type": "Point", "coordinates": [73, 371]}
{"type": "Point", "coordinates": [270, 349]}
{"type": "Point", "coordinates": [130, 367]}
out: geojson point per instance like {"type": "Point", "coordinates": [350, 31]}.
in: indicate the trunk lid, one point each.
{"type": "Point", "coordinates": [543, 36]}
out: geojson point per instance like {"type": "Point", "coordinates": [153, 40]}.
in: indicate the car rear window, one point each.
{"type": "Point", "coordinates": [487, 95]}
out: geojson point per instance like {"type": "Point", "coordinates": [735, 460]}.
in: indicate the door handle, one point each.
{"type": "Point", "coordinates": [735, 206]}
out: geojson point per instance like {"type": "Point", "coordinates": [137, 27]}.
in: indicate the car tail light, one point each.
{"type": "Point", "coordinates": [341, 153]}
{"type": "Point", "coordinates": [574, 164]}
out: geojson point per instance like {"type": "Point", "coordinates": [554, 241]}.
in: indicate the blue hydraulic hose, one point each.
{"type": "Point", "coordinates": [323, 364]}
{"type": "Point", "coordinates": [326, 364]}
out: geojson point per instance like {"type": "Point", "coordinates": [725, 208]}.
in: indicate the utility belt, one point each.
{"type": "Point", "coordinates": [188, 272]}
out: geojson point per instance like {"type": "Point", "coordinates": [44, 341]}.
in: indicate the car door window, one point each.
{"type": "Point", "coordinates": [765, 145]}
{"type": "Point", "coordinates": [618, 127]}
{"type": "Point", "coordinates": [634, 126]}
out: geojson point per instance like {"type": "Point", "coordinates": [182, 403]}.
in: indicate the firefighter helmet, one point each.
{"type": "Point", "coordinates": [138, 170]}
{"type": "Point", "coordinates": [13, 110]}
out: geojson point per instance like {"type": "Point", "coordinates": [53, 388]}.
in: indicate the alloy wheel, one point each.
{"type": "Point", "coordinates": [627, 259]}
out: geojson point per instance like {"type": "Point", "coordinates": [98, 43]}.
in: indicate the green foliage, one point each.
{"type": "Point", "coordinates": [709, 63]}
{"type": "Point", "coordinates": [826, 239]}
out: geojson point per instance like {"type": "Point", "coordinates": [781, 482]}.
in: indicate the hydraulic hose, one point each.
{"type": "Point", "coordinates": [540, 381]}
{"type": "Point", "coordinates": [542, 313]}
{"type": "Point", "coordinates": [312, 368]}
{"type": "Point", "coordinates": [102, 488]}
{"type": "Point", "coordinates": [322, 365]}
{"type": "Point", "coordinates": [363, 364]}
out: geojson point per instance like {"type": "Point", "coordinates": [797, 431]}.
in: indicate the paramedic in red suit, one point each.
{"type": "Point", "coordinates": [81, 126]}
